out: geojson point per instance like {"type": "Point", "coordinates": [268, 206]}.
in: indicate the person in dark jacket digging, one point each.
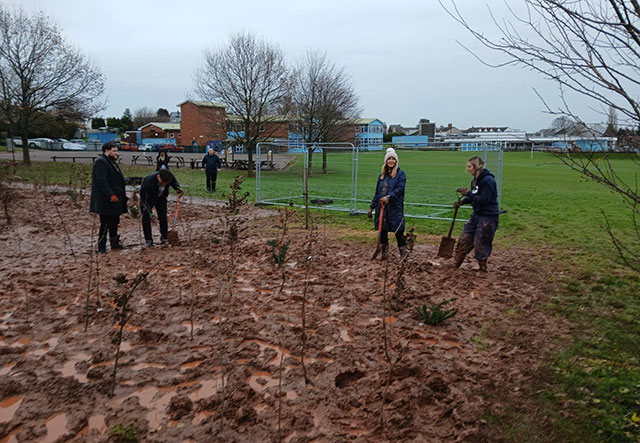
{"type": "Point", "coordinates": [153, 193]}
{"type": "Point", "coordinates": [390, 194]}
{"type": "Point", "coordinates": [211, 164]}
{"type": "Point", "coordinates": [479, 231]}
{"type": "Point", "coordinates": [108, 196]}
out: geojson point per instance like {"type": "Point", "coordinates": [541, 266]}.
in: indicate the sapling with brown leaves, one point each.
{"type": "Point", "coordinates": [410, 238]}
{"type": "Point", "coordinates": [122, 297]}
{"type": "Point", "coordinates": [311, 239]}
{"type": "Point", "coordinates": [387, 345]}
{"type": "Point", "coordinates": [280, 245]}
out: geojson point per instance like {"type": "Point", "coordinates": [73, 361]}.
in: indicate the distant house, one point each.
{"type": "Point", "coordinates": [202, 122]}
{"type": "Point", "coordinates": [369, 133]}
{"type": "Point", "coordinates": [160, 132]}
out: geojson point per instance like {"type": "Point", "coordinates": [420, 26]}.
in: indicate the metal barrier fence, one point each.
{"type": "Point", "coordinates": [343, 177]}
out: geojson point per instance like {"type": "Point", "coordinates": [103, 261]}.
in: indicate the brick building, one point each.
{"type": "Point", "coordinates": [161, 130]}
{"type": "Point", "coordinates": [202, 122]}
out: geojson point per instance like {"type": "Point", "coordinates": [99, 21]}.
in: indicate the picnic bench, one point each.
{"type": "Point", "coordinates": [73, 158]}
{"type": "Point", "coordinates": [135, 158]}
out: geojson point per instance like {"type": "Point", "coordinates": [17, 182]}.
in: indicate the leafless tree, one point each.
{"type": "Point", "coordinates": [40, 73]}
{"type": "Point", "coordinates": [323, 101]}
{"type": "Point", "coordinates": [250, 77]}
{"type": "Point", "coordinates": [590, 48]}
{"type": "Point", "coordinates": [142, 116]}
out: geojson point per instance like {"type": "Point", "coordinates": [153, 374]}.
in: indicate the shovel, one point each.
{"type": "Point", "coordinates": [447, 243]}
{"type": "Point", "coordinates": [379, 245]}
{"type": "Point", "coordinates": [173, 237]}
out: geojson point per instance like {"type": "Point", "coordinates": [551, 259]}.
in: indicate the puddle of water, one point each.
{"type": "Point", "coordinates": [103, 363]}
{"type": "Point", "coordinates": [334, 308]}
{"type": "Point", "coordinates": [11, 436]}
{"type": "Point", "coordinates": [22, 342]}
{"type": "Point", "coordinates": [141, 366]}
{"type": "Point", "coordinates": [388, 320]}
{"type": "Point", "coordinates": [69, 370]}
{"type": "Point", "coordinates": [190, 365]}
{"type": "Point", "coordinates": [200, 417]}
{"type": "Point", "coordinates": [127, 327]}
{"type": "Point", "coordinates": [6, 369]}
{"type": "Point", "coordinates": [8, 408]}
{"type": "Point", "coordinates": [291, 395]}
{"type": "Point", "coordinates": [62, 310]}
{"type": "Point", "coordinates": [450, 344]}
{"type": "Point", "coordinates": [56, 428]}
{"type": "Point", "coordinates": [344, 335]}
{"type": "Point", "coordinates": [97, 422]}
{"type": "Point", "coordinates": [207, 389]}
{"type": "Point", "coordinates": [260, 409]}
{"type": "Point", "coordinates": [146, 399]}
{"type": "Point", "coordinates": [287, 323]}
{"type": "Point", "coordinates": [125, 346]}
{"type": "Point", "coordinates": [264, 345]}
{"type": "Point", "coordinates": [265, 376]}
{"type": "Point", "coordinates": [187, 324]}
{"type": "Point", "coordinates": [242, 361]}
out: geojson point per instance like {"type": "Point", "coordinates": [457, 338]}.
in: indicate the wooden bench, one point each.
{"type": "Point", "coordinates": [244, 164]}
{"type": "Point", "coordinates": [135, 158]}
{"type": "Point", "coordinates": [73, 158]}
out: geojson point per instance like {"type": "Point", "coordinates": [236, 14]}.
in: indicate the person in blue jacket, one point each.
{"type": "Point", "coordinates": [479, 231]}
{"type": "Point", "coordinates": [211, 164]}
{"type": "Point", "coordinates": [390, 194]}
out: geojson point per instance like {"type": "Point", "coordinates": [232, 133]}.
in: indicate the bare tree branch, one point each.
{"type": "Point", "coordinates": [40, 73]}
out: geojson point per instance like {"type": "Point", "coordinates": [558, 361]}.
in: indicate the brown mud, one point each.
{"type": "Point", "coordinates": [191, 372]}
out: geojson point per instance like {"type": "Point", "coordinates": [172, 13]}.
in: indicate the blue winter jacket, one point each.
{"type": "Point", "coordinates": [393, 217]}
{"type": "Point", "coordinates": [483, 195]}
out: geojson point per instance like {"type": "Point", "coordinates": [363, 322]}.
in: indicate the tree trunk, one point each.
{"type": "Point", "coordinates": [251, 167]}
{"type": "Point", "coordinates": [310, 155]}
{"type": "Point", "coordinates": [26, 159]}
{"type": "Point", "coordinates": [324, 160]}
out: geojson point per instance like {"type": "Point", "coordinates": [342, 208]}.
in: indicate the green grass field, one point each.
{"type": "Point", "coordinates": [548, 206]}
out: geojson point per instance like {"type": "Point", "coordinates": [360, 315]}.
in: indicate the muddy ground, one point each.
{"type": "Point", "coordinates": [212, 351]}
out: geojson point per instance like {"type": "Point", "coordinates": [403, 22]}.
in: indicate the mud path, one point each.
{"type": "Point", "coordinates": [189, 371]}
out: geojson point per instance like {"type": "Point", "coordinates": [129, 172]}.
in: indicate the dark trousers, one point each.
{"type": "Point", "coordinates": [384, 237]}
{"type": "Point", "coordinates": [478, 234]}
{"type": "Point", "coordinates": [161, 211]}
{"type": "Point", "coordinates": [211, 180]}
{"type": "Point", "coordinates": [108, 224]}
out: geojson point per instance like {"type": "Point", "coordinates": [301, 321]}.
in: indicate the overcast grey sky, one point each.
{"type": "Point", "coordinates": [403, 56]}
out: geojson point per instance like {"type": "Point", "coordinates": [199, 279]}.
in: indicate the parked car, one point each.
{"type": "Point", "coordinates": [68, 146]}
{"type": "Point", "coordinates": [146, 147]}
{"type": "Point", "coordinates": [42, 143]}
{"type": "Point", "coordinates": [17, 141]}
{"type": "Point", "coordinates": [169, 147]}
{"type": "Point", "coordinates": [128, 146]}
{"type": "Point", "coordinates": [79, 141]}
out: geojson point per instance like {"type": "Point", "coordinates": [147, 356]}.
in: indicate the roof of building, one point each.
{"type": "Point", "coordinates": [265, 118]}
{"type": "Point", "coordinates": [165, 126]}
{"type": "Point", "coordinates": [366, 121]}
{"type": "Point", "coordinates": [203, 104]}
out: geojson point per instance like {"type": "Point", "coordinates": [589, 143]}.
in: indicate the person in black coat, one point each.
{"type": "Point", "coordinates": [153, 193]}
{"type": "Point", "coordinates": [108, 196]}
{"type": "Point", "coordinates": [479, 231]}
{"type": "Point", "coordinates": [211, 164]}
{"type": "Point", "coordinates": [162, 160]}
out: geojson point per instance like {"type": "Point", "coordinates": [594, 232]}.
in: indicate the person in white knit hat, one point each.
{"type": "Point", "coordinates": [390, 194]}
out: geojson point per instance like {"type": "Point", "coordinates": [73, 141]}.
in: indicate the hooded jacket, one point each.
{"type": "Point", "coordinates": [483, 195]}
{"type": "Point", "coordinates": [393, 217]}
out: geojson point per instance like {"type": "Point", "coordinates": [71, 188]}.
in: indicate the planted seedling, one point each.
{"type": "Point", "coordinates": [436, 314]}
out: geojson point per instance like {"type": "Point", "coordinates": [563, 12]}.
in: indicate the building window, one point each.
{"type": "Point", "coordinates": [218, 123]}
{"type": "Point", "coordinates": [171, 135]}
{"type": "Point", "coordinates": [217, 112]}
